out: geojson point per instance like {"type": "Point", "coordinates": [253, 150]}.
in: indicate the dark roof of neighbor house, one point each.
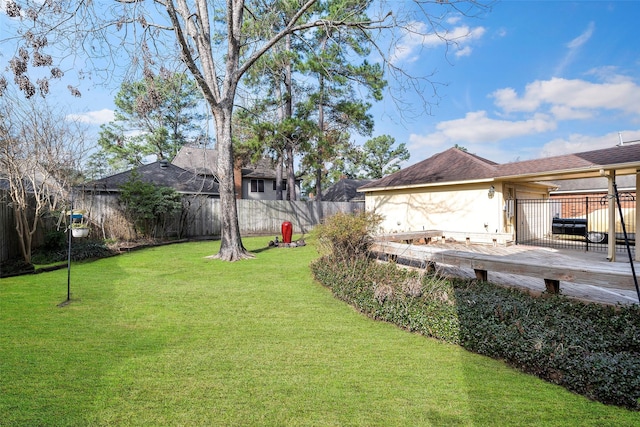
{"type": "Point", "coordinates": [203, 161]}
{"type": "Point", "coordinates": [455, 165]}
{"type": "Point", "coordinates": [160, 173]}
{"type": "Point", "coordinates": [345, 190]}
{"type": "Point", "coordinates": [262, 169]}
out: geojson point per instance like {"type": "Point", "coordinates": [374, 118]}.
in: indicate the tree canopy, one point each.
{"type": "Point", "coordinates": [218, 43]}
{"type": "Point", "coordinates": [377, 158]}
{"type": "Point", "coordinates": [40, 155]}
{"type": "Point", "coordinates": [154, 116]}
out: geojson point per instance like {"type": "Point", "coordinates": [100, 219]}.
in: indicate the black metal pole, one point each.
{"type": "Point", "coordinates": [626, 239]}
{"type": "Point", "coordinates": [69, 253]}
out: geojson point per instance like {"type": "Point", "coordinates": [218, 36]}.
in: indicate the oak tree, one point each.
{"type": "Point", "coordinates": [218, 43]}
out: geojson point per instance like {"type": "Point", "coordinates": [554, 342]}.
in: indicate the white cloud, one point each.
{"type": "Point", "coordinates": [465, 51]}
{"type": "Point", "coordinates": [573, 48]}
{"type": "Point", "coordinates": [565, 95]}
{"type": "Point", "coordinates": [477, 127]}
{"type": "Point", "coordinates": [94, 117]}
{"type": "Point", "coordinates": [416, 36]}
{"type": "Point", "coordinates": [582, 38]}
{"type": "Point", "coordinates": [576, 143]}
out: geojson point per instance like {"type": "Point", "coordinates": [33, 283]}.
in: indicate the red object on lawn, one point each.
{"type": "Point", "coordinates": [287, 231]}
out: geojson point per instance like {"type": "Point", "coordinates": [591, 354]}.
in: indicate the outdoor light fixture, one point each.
{"type": "Point", "coordinates": [492, 191]}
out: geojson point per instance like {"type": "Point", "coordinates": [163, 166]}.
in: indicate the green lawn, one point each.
{"type": "Point", "coordinates": [163, 336]}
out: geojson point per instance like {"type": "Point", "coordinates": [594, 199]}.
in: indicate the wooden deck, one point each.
{"type": "Point", "coordinates": [587, 276]}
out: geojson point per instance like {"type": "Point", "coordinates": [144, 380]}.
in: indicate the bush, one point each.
{"type": "Point", "coordinates": [590, 349]}
{"type": "Point", "coordinates": [148, 206]}
{"type": "Point", "coordinates": [346, 236]}
{"type": "Point", "coordinates": [81, 249]}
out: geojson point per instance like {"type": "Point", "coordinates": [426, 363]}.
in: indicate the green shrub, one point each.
{"type": "Point", "coordinates": [590, 349]}
{"type": "Point", "coordinates": [148, 206]}
{"type": "Point", "coordinates": [54, 240]}
{"type": "Point", "coordinates": [81, 249]}
{"type": "Point", "coordinates": [346, 236]}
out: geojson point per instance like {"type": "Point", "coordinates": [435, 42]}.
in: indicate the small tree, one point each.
{"type": "Point", "coordinates": [40, 153]}
{"type": "Point", "coordinates": [148, 206]}
{"type": "Point", "coordinates": [154, 116]}
{"type": "Point", "coordinates": [378, 158]}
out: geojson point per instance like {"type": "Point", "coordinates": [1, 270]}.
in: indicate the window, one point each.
{"type": "Point", "coordinates": [257, 186]}
{"type": "Point", "coordinates": [284, 185]}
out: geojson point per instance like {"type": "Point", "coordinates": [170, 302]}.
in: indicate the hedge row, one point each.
{"type": "Point", "coordinates": [590, 349]}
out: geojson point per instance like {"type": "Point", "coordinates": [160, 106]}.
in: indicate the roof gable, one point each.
{"type": "Point", "coordinates": [450, 165]}
{"type": "Point", "coordinates": [204, 161]}
{"type": "Point", "coordinates": [454, 165]}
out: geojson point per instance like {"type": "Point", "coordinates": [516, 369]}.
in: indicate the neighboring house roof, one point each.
{"type": "Point", "coordinates": [606, 157]}
{"type": "Point", "coordinates": [262, 169]}
{"type": "Point", "coordinates": [203, 161]}
{"type": "Point", "coordinates": [160, 173]}
{"type": "Point", "coordinates": [455, 165]}
{"type": "Point", "coordinates": [345, 190]}
{"type": "Point", "coordinates": [594, 185]}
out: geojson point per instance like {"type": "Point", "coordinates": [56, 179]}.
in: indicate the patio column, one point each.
{"type": "Point", "coordinates": [637, 257]}
{"type": "Point", "coordinates": [611, 241]}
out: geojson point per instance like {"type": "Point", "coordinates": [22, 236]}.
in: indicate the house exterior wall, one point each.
{"type": "Point", "coordinates": [453, 208]}
{"type": "Point", "coordinates": [460, 208]}
{"type": "Point", "coordinates": [268, 194]}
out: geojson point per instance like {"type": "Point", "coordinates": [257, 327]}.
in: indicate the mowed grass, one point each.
{"type": "Point", "coordinates": [166, 337]}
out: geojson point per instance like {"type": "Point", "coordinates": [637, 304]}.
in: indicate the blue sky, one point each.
{"type": "Point", "coordinates": [532, 79]}
{"type": "Point", "coordinates": [527, 79]}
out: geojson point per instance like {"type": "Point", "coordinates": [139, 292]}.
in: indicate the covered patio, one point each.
{"type": "Point", "coordinates": [608, 162]}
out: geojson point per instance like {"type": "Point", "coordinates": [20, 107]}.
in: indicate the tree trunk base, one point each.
{"type": "Point", "coordinates": [232, 255]}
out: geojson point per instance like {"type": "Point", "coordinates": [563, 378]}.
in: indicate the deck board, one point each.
{"type": "Point", "coordinates": [580, 270]}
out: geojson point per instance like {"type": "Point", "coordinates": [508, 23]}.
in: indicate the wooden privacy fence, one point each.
{"type": "Point", "coordinates": [199, 218]}
{"type": "Point", "coordinates": [200, 215]}
{"type": "Point", "coordinates": [9, 246]}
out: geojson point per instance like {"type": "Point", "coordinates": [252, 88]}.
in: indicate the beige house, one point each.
{"type": "Point", "coordinates": [461, 192]}
{"type": "Point", "coordinates": [451, 191]}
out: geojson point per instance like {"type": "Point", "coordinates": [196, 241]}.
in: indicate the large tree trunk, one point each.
{"type": "Point", "coordinates": [288, 108]}
{"type": "Point", "coordinates": [24, 234]}
{"type": "Point", "coordinates": [231, 248]}
{"type": "Point", "coordinates": [281, 115]}
{"type": "Point", "coordinates": [291, 176]}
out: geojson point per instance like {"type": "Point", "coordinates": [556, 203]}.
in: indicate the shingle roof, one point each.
{"type": "Point", "coordinates": [161, 174]}
{"type": "Point", "coordinates": [345, 190]}
{"type": "Point", "coordinates": [450, 165]}
{"type": "Point", "coordinates": [198, 160]}
{"type": "Point", "coordinates": [454, 165]}
{"type": "Point", "coordinates": [263, 168]}
{"type": "Point", "coordinates": [596, 158]}
{"type": "Point", "coordinates": [203, 161]}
